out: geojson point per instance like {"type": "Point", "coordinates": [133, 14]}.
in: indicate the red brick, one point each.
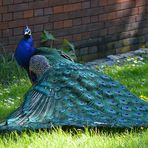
{"type": "Point", "coordinates": [38, 4]}
{"type": "Point", "coordinates": [126, 5]}
{"type": "Point", "coordinates": [38, 42]}
{"type": "Point", "coordinates": [72, 7]}
{"type": "Point", "coordinates": [112, 30]}
{"type": "Point", "coordinates": [18, 15]}
{"type": "Point", "coordinates": [1, 34]}
{"type": "Point", "coordinates": [94, 3]}
{"type": "Point", "coordinates": [48, 26]}
{"type": "Point", "coordinates": [89, 57]}
{"type": "Point", "coordinates": [28, 13]}
{"type": "Point", "coordinates": [18, 31]}
{"type": "Point", "coordinates": [141, 9]}
{"type": "Point", "coordinates": [103, 17]}
{"type": "Point", "coordinates": [37, 28]}
{"type": "Point", "coordinates": [85, 20]}
{"type": "Point", "coordinates": [59, 41]}
{"type": "Point", "coordinates": [138, 18]}
{"type": "Point", "coordinates": [77, 37]}
{"type": "Point", "coordinates": [76, 6]}
{"type": "Point", "coordinates": [3, 9]}
{"type": "Point", "coordinates": [94, 19]}
{"type": "Point", "coordinates": [131, 19]}
{"type": "Point", "coordinates": [17, 1]}
{"type": "Point", "coordinates": [14, 39]}
{"type": "Point", "coordinates": [17, 23]}
{"type": "Point", "coordinates": [102, 2]}
{"type": "Point", "coordinates": [7, 2]}
{"type": "Point", "coordinates": [58, 9]}
{"type": "Point", "coordinates": [67, 23]}
{"type": "Point", "coordinates": [68, 37]}
{"type": "Point", "coordinates": [36, 36]}
{"type": "Point", "coordinates": [48, 11]}
{"type": "Point", "coordinates": [110, 8]}
{"type": "Point", "coordinates": [7, 17]}
{"type": "Point", "coordinates": [121, 1]}
{"type": "Point", "coordinates": [38, 20]}
{"type": "Point", "coordinates": [38, 12]}
{"type": "Point", "coordinates": [77, 21]}
{"type": "Point", "coordinates": [3, 25]}
{"type": "Point", "coordinates": [68, 8]}
{"type": "Point", "coordinates": [103, 32]}
{"type": "Point", "coordinates": [93, 49]}
{"type": "Point", "coordinates": [85, 35]}
{"type": "Point", "coordinates": [111, 2]}
{"type": "Point", "coordinates": [58, 25]}
{"type": "Point", "coordinates": [135, 11]}
{"type": "Point", "coordinates": [86, 5]}
{"type": "Point", "coordinates": [84, 51]}
{"type": "Point", "coordinates": [112, 15]}
{"type": "Point", "coordinates": [7, 32]}
{"type": "Point", "coordinates": [18, 7]}
{"type": "Point", "coordinates": [59, 2]}
{"type": "Point", "coordinates": [115, 29]}
{"type": "Point", "coordinates": [9, 48]}
{"type": "Point", "coordinates": [4, 41]}
{"type": "Point", "coordinates": [140, 3]}
{"type": "Point", "coordinates": [126, 12]}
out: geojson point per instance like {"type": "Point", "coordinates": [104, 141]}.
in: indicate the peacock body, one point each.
{"type": "Point", "coordinates": [66, 93]}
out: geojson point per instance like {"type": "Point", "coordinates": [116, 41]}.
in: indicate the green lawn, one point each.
{"type": "Point", "coordinates": [14, 83]}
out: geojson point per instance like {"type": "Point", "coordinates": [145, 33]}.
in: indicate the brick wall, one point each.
{"type": "Point", "coordinates": [96, 27]}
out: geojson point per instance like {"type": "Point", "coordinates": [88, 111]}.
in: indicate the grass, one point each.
{"type": "Point", "coordinates": [61, 139]}
{"type": "Point", "coordinates": [14, 83]}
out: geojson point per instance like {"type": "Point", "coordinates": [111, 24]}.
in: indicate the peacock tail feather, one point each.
{"type": "Point", "coordinates": [71, 94]}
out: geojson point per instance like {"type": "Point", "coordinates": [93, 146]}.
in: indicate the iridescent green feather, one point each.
{"type": "Point", "coordinates": [71, 94]}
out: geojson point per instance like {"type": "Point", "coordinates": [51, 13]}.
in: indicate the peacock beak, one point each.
{"type": "Point", "coordinates": [27, 33]}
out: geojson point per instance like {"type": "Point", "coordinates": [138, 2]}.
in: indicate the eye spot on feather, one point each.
{"type": "Point", "coordinates": [67, 72]}
{"type": "Point", "coordinates": [141, 108]}
{"type": "Point", "coordinates": [53, 80]}
{"type": "Point", "coordinates": [57, 88]}
{"type": "Point", "coordinates": [123, 101]}
{"type": "Point", "coordinates": [122, 120]}
{"type": "Point", "coordinates": [139, 114]}
{"type": "Point", "coordinates": [129, 94]}
{"type": "Point", "coordinates": [99, 104]}
{"type": "Point", "coordinates": [58, 97]}
{"type": "Point", "coordinates": [118, 92]}
{"type": "Point", "coordinates": [93, 113]}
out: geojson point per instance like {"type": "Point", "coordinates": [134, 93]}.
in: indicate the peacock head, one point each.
{"type": "Point", "coordinates": [27, 32]}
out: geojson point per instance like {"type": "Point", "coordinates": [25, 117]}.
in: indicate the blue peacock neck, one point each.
{"type": "Point", "coordinates": [24, 52]}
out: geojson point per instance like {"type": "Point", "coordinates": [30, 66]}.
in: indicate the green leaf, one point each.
{"type": "Point", "coordinates": [46, 36]}
{"type": "Point", "coordinates": [69, 49]}
{"type": "Point", "coordinates": [67, 46]}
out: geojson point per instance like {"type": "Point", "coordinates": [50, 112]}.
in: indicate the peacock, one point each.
{"type": "Point", "coordinates": [66, 93]}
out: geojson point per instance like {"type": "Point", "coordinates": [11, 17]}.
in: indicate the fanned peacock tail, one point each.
{"type": "Point", "coordinates": [65, 93]}
{"type": "Point", "coordinates": [71, 94]}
